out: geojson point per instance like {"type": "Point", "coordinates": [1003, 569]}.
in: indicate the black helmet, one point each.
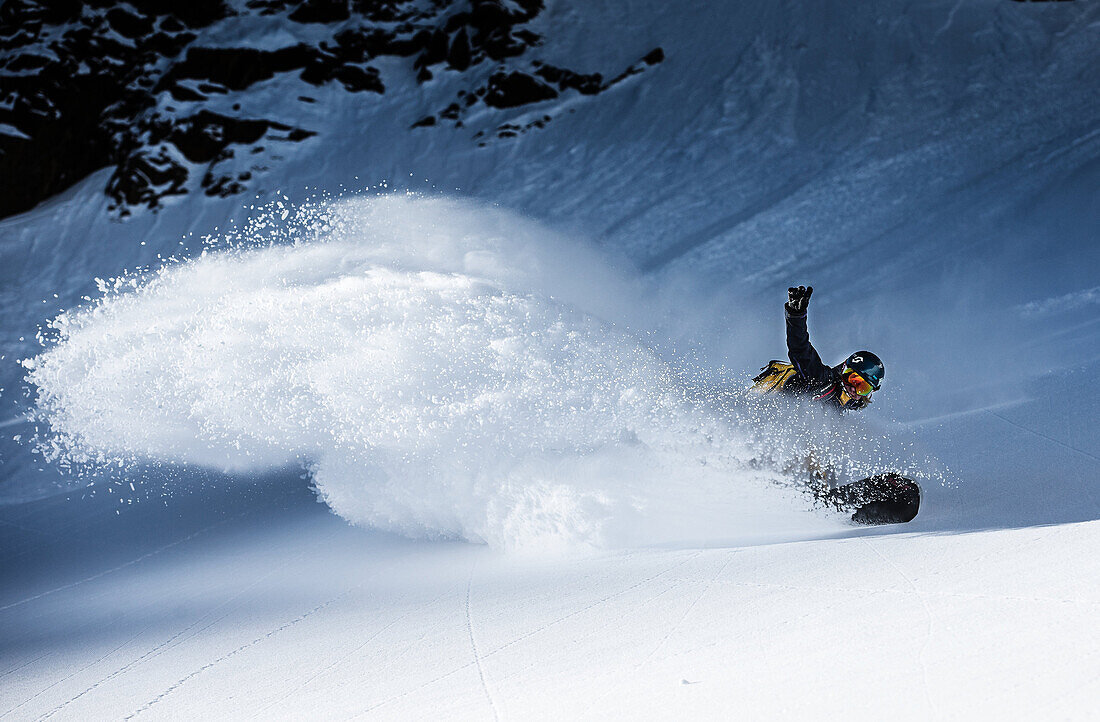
{"type": "Point", "coordinates": [867, 365]}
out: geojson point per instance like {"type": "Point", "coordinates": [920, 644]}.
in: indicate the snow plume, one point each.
{"type": "Point", "coordinates": [442, 369]}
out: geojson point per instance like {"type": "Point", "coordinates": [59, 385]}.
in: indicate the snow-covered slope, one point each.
{"type": "Point", "coordinates": [270, 607]}
{"type": "Point", "coordinates": [932, 168]}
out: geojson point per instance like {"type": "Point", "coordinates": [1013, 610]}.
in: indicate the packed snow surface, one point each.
{"type": "Point", "coordinates": [279, 610]}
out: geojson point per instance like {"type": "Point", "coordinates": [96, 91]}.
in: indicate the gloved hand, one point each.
{"type": "Point", "coordinates": [798, 298]}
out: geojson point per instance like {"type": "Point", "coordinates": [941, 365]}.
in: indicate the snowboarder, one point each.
{"type": "Point", "coordinates": [880, 499]}
{"type": "Point", "coordinates": [845, 387]}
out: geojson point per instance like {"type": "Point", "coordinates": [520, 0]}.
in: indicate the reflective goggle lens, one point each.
{"type": "Point", "coordinates": [859, 384]}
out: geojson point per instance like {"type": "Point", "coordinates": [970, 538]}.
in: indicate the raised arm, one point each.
{"type": "Point", "coordinates": [802, 354]}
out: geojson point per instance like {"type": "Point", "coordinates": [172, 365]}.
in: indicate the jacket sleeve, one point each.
{"type": "Point", "coordinates": [802, 354]}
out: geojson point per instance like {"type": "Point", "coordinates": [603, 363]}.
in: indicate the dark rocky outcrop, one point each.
{"type": "Point", "coordinates": [134, 86]}
{"type": "Point", "coordinates": [321, 11]}
{"type": "Point", "coordinates": [356, 79]}
{"type": "Point", "coordinates": [563, 78]}
{"type": "Point", "coordinates": [237, 68]}
{"type": "Point", "coordinates": [145, 176]}
{"type": "Point", "coordinates": [459, 55]}
{"type": "Point", "coordinates": [129, 25]}
{"type": "Point", "coordinates": [204, 136]}
{"type": "Point", "coordinates": [508, 90]}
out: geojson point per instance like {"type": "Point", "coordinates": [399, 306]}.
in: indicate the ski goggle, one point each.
{"type": "Point", "coordinates": [857, 383]}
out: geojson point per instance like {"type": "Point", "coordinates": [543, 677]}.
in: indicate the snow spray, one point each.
{"type": "Point", "coordinates": [442, 370]}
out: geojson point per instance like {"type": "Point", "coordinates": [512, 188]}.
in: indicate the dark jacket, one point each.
{"type": "Point", "coordinates": [814, 378]}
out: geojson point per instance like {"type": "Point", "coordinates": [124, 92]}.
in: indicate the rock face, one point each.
{"type": "Point", "coordinates": [98, 84]}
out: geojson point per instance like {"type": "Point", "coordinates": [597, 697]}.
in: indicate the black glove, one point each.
{"type": "Point", "coordinates": [797, 298]}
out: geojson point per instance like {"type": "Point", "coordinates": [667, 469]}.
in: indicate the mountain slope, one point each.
{"type": "Point", "coordinates": [932, 168]}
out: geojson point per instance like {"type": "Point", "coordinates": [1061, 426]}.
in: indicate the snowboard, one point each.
{"type": "Point", "coordinates": [879, 499]}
